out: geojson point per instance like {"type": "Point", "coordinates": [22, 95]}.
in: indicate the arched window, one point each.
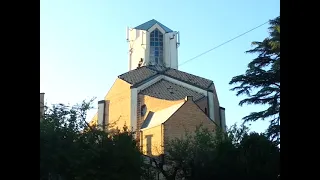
{"type": "Point", "coordinates": [143, 110]}
{"type": "Point", "coordinates": [156, 47]}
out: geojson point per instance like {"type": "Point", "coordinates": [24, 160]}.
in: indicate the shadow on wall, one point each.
{"type": "Point", "coordinates": [103, 114]}
{"type": "Point", "coordinates": [106, 115]}
{"type": "Point", "coordinates": [149, 144]}
{"type": "Point", "coordinates": [146, 122]}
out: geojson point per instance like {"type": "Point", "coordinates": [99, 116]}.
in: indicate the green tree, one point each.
{"type": "Point", "coordinates": [261, 82]}
{"type": "Point", "coordinates": [69, 152]}
{"type": "Point", "coordinates": [259, 158]}
{"type": "Point", "coordinates": [236, 154]}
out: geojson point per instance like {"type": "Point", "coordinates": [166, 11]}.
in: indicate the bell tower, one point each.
{"type": "Point", "coordinates": [152, 43]}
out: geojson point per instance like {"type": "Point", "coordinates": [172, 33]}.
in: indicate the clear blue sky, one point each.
{"type": "Point", "coordinates": [83, 44]}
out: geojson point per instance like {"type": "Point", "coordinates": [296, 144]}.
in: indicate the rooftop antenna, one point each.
{"type": "Point", "coordinates": [127, 34]}
{"type": "Point", "coordinates": [178, 37]}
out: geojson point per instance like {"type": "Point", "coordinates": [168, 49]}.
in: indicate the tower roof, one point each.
{"type": "Point", "coordinates": [149, 24]}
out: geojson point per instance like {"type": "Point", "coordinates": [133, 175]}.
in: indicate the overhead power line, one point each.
{"type": "Point", "coordinates": [210, 50]}
{"type": "Point", "coordinates": [223, 43]}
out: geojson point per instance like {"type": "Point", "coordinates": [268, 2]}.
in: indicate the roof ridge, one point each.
{"type": "Point", "coordinates": [182, 86]}
{"type": "Point", "coordinates": [145, 73]}
{"type": "Point", "coordinates": [150, 91]}
{"type": "Point", "coordinates": [131, 71]}
{"type": "Point", "coordinates": [192, 74]}
{"type": "Point", "coordinates": [165, 114]}
{"type": "Point", "coordinates": [137, 75]}
{"type": "Point", "coordinates": [152, 67]}
{"type": "Point", "coordinates": [147, 25]}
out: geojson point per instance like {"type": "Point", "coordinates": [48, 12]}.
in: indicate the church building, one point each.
{"type": "Point", "coordinates": [154, 99]}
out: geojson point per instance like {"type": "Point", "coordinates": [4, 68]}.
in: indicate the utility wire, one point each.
{"type": "Point", "coordinates": [223, 43]}
{"type": "Point", "coordinates": [209, 50]}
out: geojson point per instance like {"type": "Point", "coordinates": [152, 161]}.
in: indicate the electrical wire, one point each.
{"type": "Point", "coordinates": [223, 43]}
{"type": "Point", "coordinates": [208, 50]}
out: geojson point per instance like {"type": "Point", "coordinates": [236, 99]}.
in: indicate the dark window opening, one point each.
{"type": "Point", "coordinates": [156, 47]}
{"type": "Point", "coordinates": [143, 110]}
{"type": "Point", "coordinates": [205, 110]}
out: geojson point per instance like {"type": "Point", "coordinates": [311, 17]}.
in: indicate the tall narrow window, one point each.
{"type": "Point", "coordinates": [156, 47]}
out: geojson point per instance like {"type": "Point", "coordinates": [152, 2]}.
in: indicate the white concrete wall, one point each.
{"type": "Point", "coordinates": [223, 118]}
{"type": "Point", "coordinates": [106, 114]}
{"type": "Point", "coordinates": [211, 106]}
{"type": "Point", "coordinates": [133, 109]}
{"type": "Point", "coordinates": [139, 43]}
{"type": "Point", "coordinates": [101, 109]}
{"type": "Point", "coordinates": [171, 50]}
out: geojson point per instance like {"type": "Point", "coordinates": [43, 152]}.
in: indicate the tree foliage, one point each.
{"type": "Point", "coordinates": [67, 152]}
{"type": "Point", "coordinates": [236, 154]}
{"type": "Point", "coordinates": [261, 82]}
{"type": "Point", "coordinates": [71, 151]}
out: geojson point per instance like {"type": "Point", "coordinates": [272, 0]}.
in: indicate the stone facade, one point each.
{"type": "Point", "coordinates": [118, 110]}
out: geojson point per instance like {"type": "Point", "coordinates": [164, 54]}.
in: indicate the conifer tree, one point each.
{"type": "Point", "coordinates": [261, 81]}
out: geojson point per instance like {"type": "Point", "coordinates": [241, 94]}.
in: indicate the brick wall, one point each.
{"type": "Point", "coordinates": [118, 113]}
{"type": "Point", "coordinates": [203, 104]}
{"type": "Point", "coordinates": [140, 118]}
{"type": "Point", "coordinates": [152, 104]}
{"type": "Point", "coordinates": [155, 104]}
{"type": "Point", "coordinates": [94, 120]}
{"type": "Point", "coordinates": [119, 105]}
{"type": "Point", "coordinates": [151, 141]}
{"type": "Point", "coordinates": [187, 118]}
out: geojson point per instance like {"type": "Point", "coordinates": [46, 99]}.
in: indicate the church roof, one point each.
{"type": "Point", "coordinates": [145, 73]}
{"type": "Point", "coordinates": [149, 24]}
{"type": "Point", "coordinates": [138, 75]}
{"type": "Point", "coordinates": [167, 90]}
{"type": "Point", "coordinates": [189, 78]}
{"type": "Point", "coordinates": [156, 118]}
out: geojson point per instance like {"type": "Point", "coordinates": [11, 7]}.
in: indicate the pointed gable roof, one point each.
{"type": "Point", "coordinates": [149, 24]}
{"type": "Point", "coordinates": [167, 90]}
{"type": "Point", "coordinates": [189, 78]}
{"type": "Point", "coordinates": [156, 118]}
{"type": "Point", "coordinates": [137, 76]}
